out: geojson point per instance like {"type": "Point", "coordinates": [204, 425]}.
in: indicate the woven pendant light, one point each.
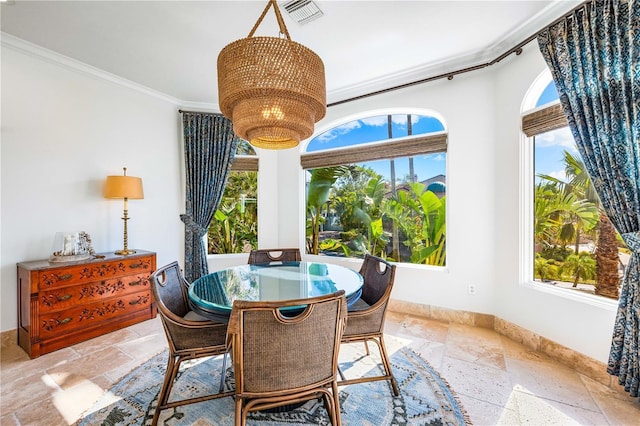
{"type": "Point", "coordinates": [272, 89]}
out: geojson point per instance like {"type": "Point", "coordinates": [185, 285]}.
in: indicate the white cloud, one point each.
{"type": "Point", "coordinates": [378, 121]}
{"type": "Point", "coordinates": [560, 175]}
{"type": "Point", "coordinates": [339, 131]}
{"type": "Point", "coordinates": [560, 137]}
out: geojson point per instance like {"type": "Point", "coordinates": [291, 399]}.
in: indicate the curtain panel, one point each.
{"type": "Point", "coordinates": [209, 149]}
{"type": "Point", "coordinates": [594, 57]}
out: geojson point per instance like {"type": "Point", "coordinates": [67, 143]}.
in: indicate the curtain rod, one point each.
{"type": "Point", "coordinates": [182, 111]}
{"type": "Point", "coordinates": [517, 49]}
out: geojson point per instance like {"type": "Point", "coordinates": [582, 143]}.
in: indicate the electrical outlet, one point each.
{"type": "Point", "coordinates": [472, 288]}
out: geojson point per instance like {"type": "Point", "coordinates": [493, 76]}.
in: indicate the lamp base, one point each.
{"type": "Point", "coordinates": [124, 252]}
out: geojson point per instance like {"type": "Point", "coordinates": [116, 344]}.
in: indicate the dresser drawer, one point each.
{"type": "Point", "coordinates": [62, 298]}
{"type": "Point", "coordinates": [64, 277]}
{"type": "Point", "coordinates": [92, 314]}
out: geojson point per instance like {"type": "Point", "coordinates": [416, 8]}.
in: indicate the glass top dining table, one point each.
{"type": "Point", "coordinates": [212, 295]}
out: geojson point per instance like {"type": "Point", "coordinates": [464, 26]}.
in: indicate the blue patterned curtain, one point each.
{"type": "Point", "coordinates": [594, 56]}
{"type": "Point", "coordinates": [209, 148]}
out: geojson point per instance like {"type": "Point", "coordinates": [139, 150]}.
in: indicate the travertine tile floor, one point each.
{"type": "Point", "coordinates": [497, 380]}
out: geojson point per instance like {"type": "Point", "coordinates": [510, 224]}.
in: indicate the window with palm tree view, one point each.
{"type": "Point", "coordinates": [234, 227]}
{"type": "Point", "coordinates": [575, 245]}
{"type": "Point", "coordinates": [378, 185]}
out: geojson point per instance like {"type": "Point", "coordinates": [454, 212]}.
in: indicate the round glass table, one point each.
{"type": "Point", "coordinates": [212, 295]}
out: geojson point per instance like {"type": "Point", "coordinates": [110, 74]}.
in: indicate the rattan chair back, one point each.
{"type": "Point", "coordinates": [274, 255]}
{"type": "Point", "coordinates": [367, 324]}
{"type": "Point", "coordinates": [282, 357]}
{"type": "Point", "coordinates": [187, 339]}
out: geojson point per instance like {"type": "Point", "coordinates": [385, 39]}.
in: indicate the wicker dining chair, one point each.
{"type": "Point", "coordinates": [189, 335]}
{"type": "Point", "coordinates": [365, 319]}
{"type": "Point", "coordinates": [274, 255]}
{"type": "Point", "coordinates": [282, 359]}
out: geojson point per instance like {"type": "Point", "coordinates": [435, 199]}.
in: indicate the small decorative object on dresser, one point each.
{"type": "Point", "coordinates": [60, 304]}
{"type": "Point", "coordinates": [71, 246]}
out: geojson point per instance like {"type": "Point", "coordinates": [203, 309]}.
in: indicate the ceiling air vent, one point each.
{"type": "Point", "coordinates": [302, 11]}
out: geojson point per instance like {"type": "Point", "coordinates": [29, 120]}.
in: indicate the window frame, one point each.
{"type": "Point", "coordinates": [534, 122]}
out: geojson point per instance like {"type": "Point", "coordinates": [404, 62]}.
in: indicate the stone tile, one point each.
{"type": "Point", "coordinates": [484, 383]}
{"type": "Point", "coordinates": [450, 315]}
{"type": "Point", "coordinates": [69, 374]}
{"type": "Point", "coordinates": [581, 363]}
{"type": "Point", "coordinates": [550, 381]}
{"type": "Point", "coordinates": [144, 347]}
{"type": "Point", "coordinates": [518, 334]}
{"type": "Point", "coordinates": [24, 392]}
{"type": "Point", "coordinates": [618, 407]}
{"type": "Point", "coordinates": [150, 326]}
{"type": "Point", "coordinates": [45, 412]}
{"type": "Point", "coordinates": [417, 327]}
{"type": "Point", "coordinates": [535, 409]}
{"type": "Point", "coordinates": [477, 345]}
{"type": "Point", "coordinates": [432, 352]}
{"type": "Point", "coordinates": [486, 413]}
{"type": "Point", "coordinates": [515, 350]}
{"type": "Point", "coordinates": [105, 341]}
{"type": "Point", "coordinates": [9, 420]}
{"type": "Point", "coordinates": [23, 367]}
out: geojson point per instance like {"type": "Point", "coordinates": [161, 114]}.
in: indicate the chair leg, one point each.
{"type": "Point", "coordinates": [223, 373]}
{"type": "Point", "coordinates": [341, 374]}
{"type": "Point", "coordinates": [172, 371]}
{"type": "Point", "coordinates": [335, 416]}
{"type": "Point", "coordinates": [240, 415]}
{"type": "Point", "coordinates": [387, 364]}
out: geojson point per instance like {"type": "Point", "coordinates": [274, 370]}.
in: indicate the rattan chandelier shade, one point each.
{"type": "Point", "coordinates": [272, 89]}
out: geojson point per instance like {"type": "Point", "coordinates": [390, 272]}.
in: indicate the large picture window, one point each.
{"type": "Point", "coordinates": [378, 185]}
{"type": "Point", "coordinates": [234, 227]}
{"type": "Point", "coordinates": [574, 244]}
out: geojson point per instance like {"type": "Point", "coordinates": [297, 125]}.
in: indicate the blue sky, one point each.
{"type": "Point", "coordinates": [375, 129]}
{"type": "Point", "coordinates": [549, 146]}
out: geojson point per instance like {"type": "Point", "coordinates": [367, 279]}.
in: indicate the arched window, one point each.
{"type": "Point", "coordinates": [378, 185]}
{"type": "Point", "coordinates": [567, 225]}
{"type": "Point", "coordinates": [234, 227]}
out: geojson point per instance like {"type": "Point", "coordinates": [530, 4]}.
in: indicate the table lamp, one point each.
{"type": "Point", "coordinates": [126, 187]}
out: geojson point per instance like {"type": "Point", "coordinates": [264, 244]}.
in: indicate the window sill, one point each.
{"type": "Point", "coordinates": [597, 301]}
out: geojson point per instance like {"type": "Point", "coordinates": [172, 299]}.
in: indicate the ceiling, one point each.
{"type": "Point", "coordinates": [171, 47]}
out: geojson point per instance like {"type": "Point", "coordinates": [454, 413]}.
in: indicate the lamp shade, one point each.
{"type": "Point", "coordinates": [272, 89]}
{"type": "Point", "coordinates": [123, 187]}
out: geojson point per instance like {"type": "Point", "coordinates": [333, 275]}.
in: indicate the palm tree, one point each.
{"type": "Point", "coordinates": [580, 266]}
{"type": "Point", "coordinates": [607, 255]}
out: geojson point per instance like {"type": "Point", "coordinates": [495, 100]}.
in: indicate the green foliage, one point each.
{"type": "Point", "coordinates": [421, 215]}
{"type": "Point", "coordinates": [234, 226]}
{"type": "Point", "coordinates": [558, 253]}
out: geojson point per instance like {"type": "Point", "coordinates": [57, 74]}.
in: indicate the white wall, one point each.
{"type": "Point", "coordinates": [63, 132]}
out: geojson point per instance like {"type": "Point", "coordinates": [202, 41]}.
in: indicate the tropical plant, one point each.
{"type": "Point", "coordinates": [580, 266]}
{"type": "Point", "coordinates": [421, 215]}
{"type": "Point", "coordinates": [318, 191]}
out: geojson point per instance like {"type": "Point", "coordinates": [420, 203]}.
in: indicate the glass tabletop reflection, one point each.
{"type": "Point", "coordinates": [212, 295]}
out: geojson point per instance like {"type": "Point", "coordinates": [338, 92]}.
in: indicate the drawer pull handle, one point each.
{"type": "Point", "coordinates": [135, 265]}
{"type": "Point", "coordinates": [66, 320]}
{"type": "Point", "coordinates": [64, 277]}
{"type": "Point", "coordinates": [135, 302]}
{"type": "Point", "coordinates": [63, 298]}
{"type": "Point", "coordinates": [134, 283]}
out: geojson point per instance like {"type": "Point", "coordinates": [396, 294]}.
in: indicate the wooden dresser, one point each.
{"type": "Point", "coordinates": [60, 304]}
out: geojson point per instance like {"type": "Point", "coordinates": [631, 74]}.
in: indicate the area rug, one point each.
{"type": "Point", "coordinates": [425, 398]}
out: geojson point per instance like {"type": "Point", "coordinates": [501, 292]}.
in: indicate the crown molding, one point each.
{"type": "Point", "coordinates": [34, 50]}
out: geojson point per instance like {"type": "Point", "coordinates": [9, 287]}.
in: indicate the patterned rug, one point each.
{"type": "Point", "coordinates": [425, 398]}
